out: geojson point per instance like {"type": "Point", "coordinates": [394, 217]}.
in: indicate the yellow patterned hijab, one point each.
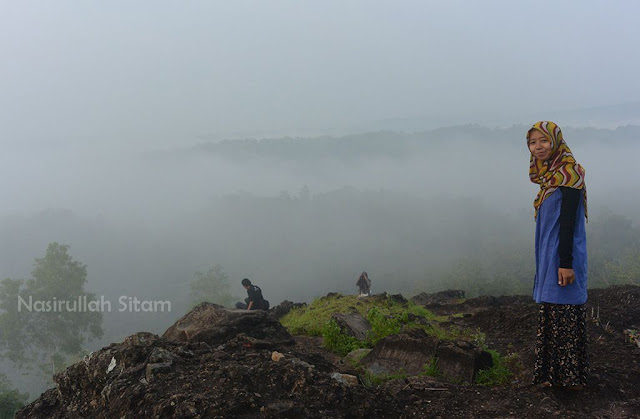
{"type": "Point", "coordinates": [560, 170]}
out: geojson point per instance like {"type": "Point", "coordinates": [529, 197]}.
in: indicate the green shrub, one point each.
{"type": "Point", "coordinates": [382, 325]}
{"type": "Point", "coordinates": [498, 375]}
{"type": "Point", "coordinates": [337, 341]}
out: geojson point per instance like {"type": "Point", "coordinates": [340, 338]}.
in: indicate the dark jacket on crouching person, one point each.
{"type": "Point", "coordinates": [255, 300]}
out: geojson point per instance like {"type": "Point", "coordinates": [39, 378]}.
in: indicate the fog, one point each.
{"type": "Point", "coordinates": [299, 216]}
{"type": "Point", "coordinates": [299, 143]}
{"type": "Point", "coordinates": [161, 72]}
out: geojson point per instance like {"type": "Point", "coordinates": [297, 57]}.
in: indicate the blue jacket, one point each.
{"type": "Point", "coordinates": [546, 288]}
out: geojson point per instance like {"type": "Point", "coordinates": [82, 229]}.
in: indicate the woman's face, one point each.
{"type": "Point", "coordinates": [539, 145]}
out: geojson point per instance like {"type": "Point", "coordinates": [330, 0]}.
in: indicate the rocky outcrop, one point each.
{"type": "Point", "coordinates": [248, 376]}
{"type": "Point", "coordinates": [398, 298]}
{"type": "Point", "coordinates": [442, 297]}
{"type": "Point", "coordinates": [401, 352]}
{"type": "Point", "coordinates": [214, 325]}
{"type": "Point", "coordinates": [461, 361]}
{"type": "Point", "coordinates": [353, 324]}
{"type": "Point", "coordinates": [410, 353]}
{"type": "Point", "coordinates": [284, 308]}
{"type": "Point", "coordinates": [211, 363]}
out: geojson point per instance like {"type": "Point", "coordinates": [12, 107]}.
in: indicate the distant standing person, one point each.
{"type": "Point", "coordinates": [364, 284]}
{"type": "Point", "coordinates": [255, 300]}
{"type": "Point", "coordinates": [560, 284]}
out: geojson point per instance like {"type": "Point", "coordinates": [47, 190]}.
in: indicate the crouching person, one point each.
{"type": "Point", "coordinates": [255, 300]}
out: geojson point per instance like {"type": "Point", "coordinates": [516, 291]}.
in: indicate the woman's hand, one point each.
{"type": "Point", "coordinates": [566, 277]}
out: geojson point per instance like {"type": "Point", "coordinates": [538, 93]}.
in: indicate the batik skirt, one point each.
{"type": "Point", "coordinates": [561, 345]}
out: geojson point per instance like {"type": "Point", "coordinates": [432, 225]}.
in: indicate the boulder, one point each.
{"type": "Point", "coordinates": [353, 324]}
{"type": "Point", "coordinates": [414, 318]}
{"type": "Point", "coordinates": [284, 308]}
{"type": "Point", "coordinates": [461, 361]}
{"type": "Point", "coordinates": [402, 352]}
{"type": "Point", "coordinates": [354, 357]}
{"type": "Point", "coordinates": [215, 325]}
{"type": "Point", "coordinates": [398, 298]}
{"type": "Point", "coordinates": [442, 297]}
{"type": "Point", "coordinates": [346, 379]}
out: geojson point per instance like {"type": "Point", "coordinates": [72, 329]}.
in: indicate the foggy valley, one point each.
{"type": "Point", "coordinates": [301, 217]}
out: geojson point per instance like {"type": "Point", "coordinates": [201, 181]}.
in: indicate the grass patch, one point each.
{"type": "Point", "coordinates": [499, 374]}
{"type": "Point", "coordinates": [355, 358]}
{"type": "Point", "coordinates": [373, 380]}
{"type": "Point", "coordinates": [431, 369]}
{"type": "Point", "coordinates": [310, 320]}
{"type": "Point", "coordinates": [339, 342]}
{"type": "Point", "coordinates": [386, 317]}
{"type": "Point", "coordinates": [384, 325]}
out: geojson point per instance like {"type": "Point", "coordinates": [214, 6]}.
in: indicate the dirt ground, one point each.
{"type": "Point", "coordinates": [509, 324]}
{"type": "Point", "coordinates": [237, 377]}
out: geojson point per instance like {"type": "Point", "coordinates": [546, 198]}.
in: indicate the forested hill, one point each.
{"type": "Point", "coordinates": [398, 144]}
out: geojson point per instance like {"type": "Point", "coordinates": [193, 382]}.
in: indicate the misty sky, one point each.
{"type": "Point", "coordinates": [166, 73]}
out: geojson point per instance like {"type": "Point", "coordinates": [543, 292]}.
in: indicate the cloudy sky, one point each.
{"type": "Point", "coordinates": [173, 73]}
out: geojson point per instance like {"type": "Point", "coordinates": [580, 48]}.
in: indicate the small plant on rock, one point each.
{"type": "Point", "coordinates": [498, 375]}
{"type": "Point", "coordinates": [431, 369]}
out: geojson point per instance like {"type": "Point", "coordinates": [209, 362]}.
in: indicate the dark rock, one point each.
{"type": "Point", "coordinates": [461, 361]}
{"type": "Point", "coordinates": [346, 379]}
{"type": "Point", "coordinates": [414, 318]}
{"type": "Point", "coordinates": [140, 339]}
{"type": "Point", "coordinates": [411, 351]}
{"type": "Point", "coordinates": [442, 297]}
{"type": "Point", "coordinates": [381, 297]}
{"type": "Point", "coordinates": [483, 301]}
{"type": "Point", "coordinates": [416, 333]}
{"type": "Point", "coordinates": [353, 358]}
{"type": "Point", "coordinates": [284, 308]}
{"type": "Point", "coordinates": [159, 355]}
{"type": "Point", "coordinates": [214, 325]}
{"type": "Point", "coordinates": [153, 369]}
{"type": "Point", "coordinates": [147, 376]}
{"type": "Point", "coordinates": [401, 352]}
{"type": "Point", "coordinates": [353, 324]}
{"type": "Point", "coordinates": [398, 298]}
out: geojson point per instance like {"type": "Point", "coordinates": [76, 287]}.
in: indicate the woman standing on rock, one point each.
{"type": "Point", "coordinates": [560, 284]}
